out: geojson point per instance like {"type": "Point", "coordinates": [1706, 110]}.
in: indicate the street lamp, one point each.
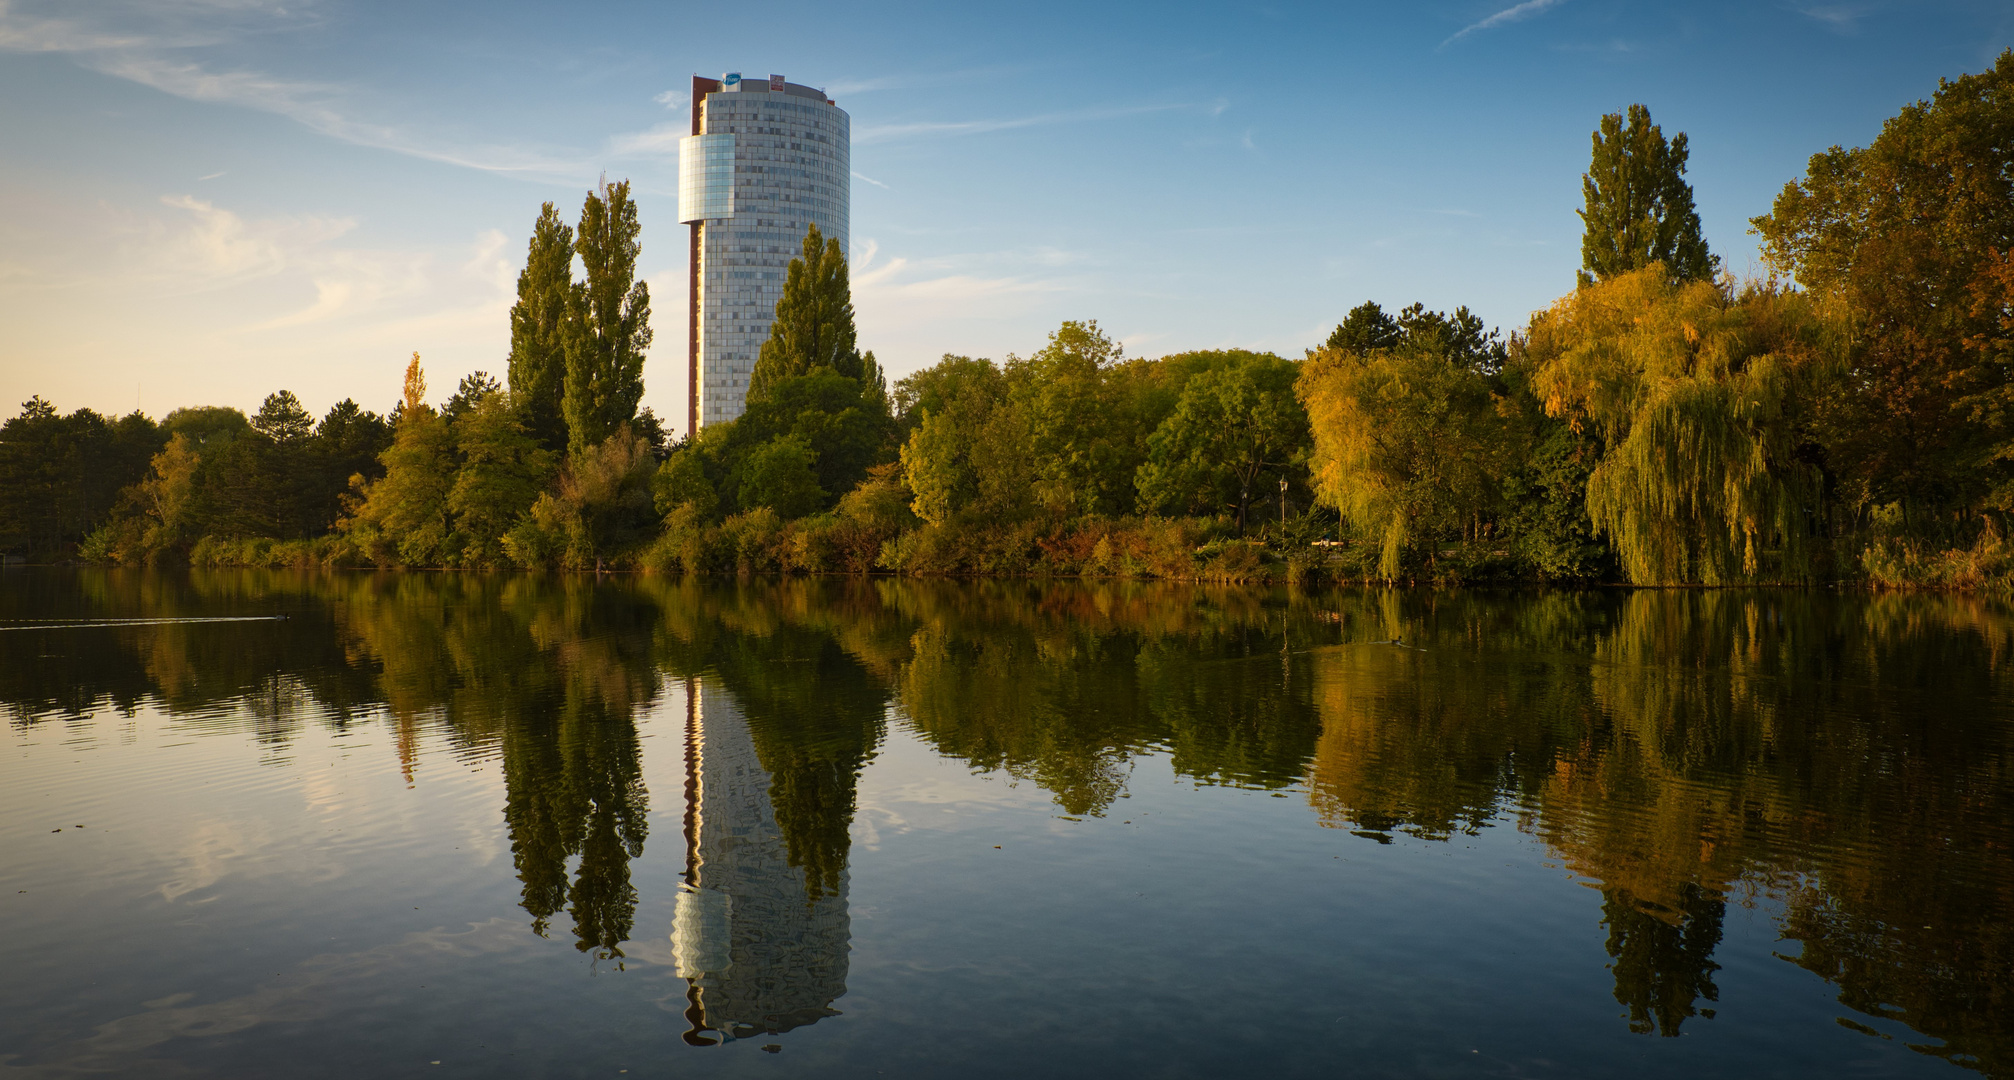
{"type": "Point", "coordinates": [1283, 506]}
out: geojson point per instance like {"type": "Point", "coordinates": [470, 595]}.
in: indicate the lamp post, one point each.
{"type": "Point", "coordinates": [1283, 507]}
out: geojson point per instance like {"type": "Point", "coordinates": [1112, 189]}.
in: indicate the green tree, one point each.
{"type": "Point", "coordinates": [282, 419]}
{"type": "Point", "coordinates": [682, 480]}
{"type": "Point", "coordinates": [1906, 237]}
{"type": "Point", "coordinates": [1083, 431]}
{"type": "Point", "coordinates": [538, 328]}
{"type": "Point", "coordinates": [404, 518]}
{"type": "Point", "coordinates": [267, 484]}
{"type": "Point", "coordinates": [608, 329]}
{"type": "Point", "coordinates": [502, 471]}
{"type": "Point", "coordinates": [168, 496]}
{"type": "Point", "coordinates": [1639, 207]}
{"type": "Point", "coordinates": [937, 387]}
{"type": "Point", "coordinates": [813, 327]}
{"type": "Point", "coordinates": [960, 452]}
{"type": "Point", "coordinates": [347, 442]}
{"type": "Point", "coordinates": [600, 506]}
{"type": "Point", "coordinates": [1366, 329]}
{"type": "Point", "coordinates": [209, 427]}
{"type": "Point", "coordinates": [1232, 426]}
{"type": "Point", "coordinates": [60, 475]}
{"type": "Point", "coordinates": [781, 474]}
{"type": "Point", "coordinates": [474, 387]}
{"type": "Point", "coordinates": [847, 430]}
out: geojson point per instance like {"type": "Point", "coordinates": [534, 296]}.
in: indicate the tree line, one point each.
{"type": "Point", "coordinates": [1844, 418]}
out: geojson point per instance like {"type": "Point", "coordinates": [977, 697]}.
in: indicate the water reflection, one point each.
{"type": "Point", "coordinates": [762, 931]}
{"type": "Point", "coordinates": [1841, 758]}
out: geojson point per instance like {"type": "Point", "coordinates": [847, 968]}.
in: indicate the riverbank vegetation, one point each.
{"type": "Point", "coordinates": [1849, 418]}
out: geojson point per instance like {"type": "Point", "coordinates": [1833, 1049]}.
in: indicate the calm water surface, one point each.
{"type": "Point", "coordinates": [462, 825]}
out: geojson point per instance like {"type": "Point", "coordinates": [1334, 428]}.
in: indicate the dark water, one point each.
{"type": "Point", "coordinates": [474, 825]}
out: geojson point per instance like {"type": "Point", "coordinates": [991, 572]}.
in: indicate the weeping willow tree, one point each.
{"type": "Point", "coordinates": [1409, 431]}
{"type": "Point", "coordinates": [1700, 393]}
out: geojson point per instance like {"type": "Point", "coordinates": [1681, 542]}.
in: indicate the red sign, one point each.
{"type": "Point", "coordinates": [776, 84]}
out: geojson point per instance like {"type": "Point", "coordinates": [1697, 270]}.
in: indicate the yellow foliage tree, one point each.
{"type": "Point", "coordinates": [1700, 392]}
{"type": "Point", "coordinates": [1410, 439]}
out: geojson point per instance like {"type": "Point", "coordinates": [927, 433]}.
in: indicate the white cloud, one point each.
{"type": "Point", "coordinates": [658, 140]}
{"type": "Point", "coordinates": [863, 86]}
{"type": "Point", "coordinates": [218, 247]}
{"type": "Point", "coordinates": [317, 107]}
{"type": "Point", "coordinates": [1842, 18]}
{"type": "Point", "coordinates": [940, 128]}
{"type": "Point", "coordinates": [149, 44]}
{"type": "Point", "coordinates": [673, 99]}
{"type": "Point", "coordinates": [1508, 15]}
{"type": "Point", "coordinates": [871, 180]}
{"type": "Point", "coordinates": [911, 79]}
{"type": "Point", "coordinates": [895, 293]}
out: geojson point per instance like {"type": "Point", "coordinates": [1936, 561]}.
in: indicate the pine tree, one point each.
{"type": "Point", "coordinates": [282, 419]}
{"type": "Point", "coordinates": [1639, 207]}
{"type": "Point", "coordinates": [538, 328]}
{"type": "Point", "coordinates": [814, 325]}
{"type": "Point", "coordinates": [608, 330]}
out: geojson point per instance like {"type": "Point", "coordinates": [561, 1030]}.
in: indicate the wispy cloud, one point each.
{"type": "Point", "coordinates": [150, 44]}
{"type": "Point", "coordinates": [1508, 15]}
{"type": "Point", "coordinates": [1841, 18]}
{"type": "Point", "coordinates": [673, 99]}
{"type": "Point", "coordinates": [661, 139]}
{"type": "Point", "coordinates": [317, 107]}
{"type": "Point", "coordinates": [912, 78]}
{"type": "Point", "coordinates": [927, 129]}
{"type": "Point", "coordinates": [871, 180]}
{"type": "Point", "coordinates": [208, 245]}
{"type": "Point", "coordinates": [864, 86]}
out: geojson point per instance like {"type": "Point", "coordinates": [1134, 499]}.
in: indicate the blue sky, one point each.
{"type": "Point", "coordinates": [202, 201]}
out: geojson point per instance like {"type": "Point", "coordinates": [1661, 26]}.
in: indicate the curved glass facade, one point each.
{"type": "Point", "coordinates": [768, 160]}
{"type": "Point", "coordinates": [705, 177]}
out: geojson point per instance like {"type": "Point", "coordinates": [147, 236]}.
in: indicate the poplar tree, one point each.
{"type": "Point", "coordinates": [1639, 207]}
{"type": "Point", "coordinates": [538, 328]}
{"type": "Point", "coordinates": [608, 328]}
{"type": "Point", "coordinates": [814, 325]}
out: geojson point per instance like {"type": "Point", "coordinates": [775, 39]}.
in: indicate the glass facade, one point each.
{"type": "Point", "coordinates": [705, 177]}
{"type": "Point", "coordinates": [765, 167]}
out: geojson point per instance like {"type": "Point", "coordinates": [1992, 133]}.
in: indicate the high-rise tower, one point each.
{"type": "Point", "coordinates": [765, 161]}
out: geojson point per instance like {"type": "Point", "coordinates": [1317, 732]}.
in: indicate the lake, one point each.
{"type": "Point", "coordinates": [267, 823]}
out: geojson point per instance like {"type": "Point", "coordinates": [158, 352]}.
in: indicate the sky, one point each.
{"type": "Point", "coordinates": [205, 201]}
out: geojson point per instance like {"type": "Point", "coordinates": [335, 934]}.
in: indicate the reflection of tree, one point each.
{"type": "Point", "coordinates": [574, 787]}
{"type": "Point", "coordinates": [813, 708]}
{"type": "Point", "coordinates": [1845, 754]}
{"type": "Point", "coordinates": [1663, 958]}
{"type": "Point", "coordinates": [1064, 683]}
{"type": "Point", "coordinates": [574, 767]}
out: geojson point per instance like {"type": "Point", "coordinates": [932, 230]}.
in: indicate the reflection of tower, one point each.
{"type": "Point", "coordinates": [762, 954]}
